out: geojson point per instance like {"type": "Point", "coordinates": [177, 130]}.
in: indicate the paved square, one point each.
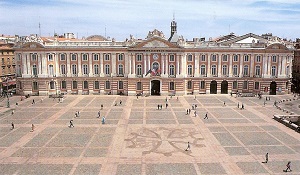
{"type": "Point", "coordinates": [137, 138]}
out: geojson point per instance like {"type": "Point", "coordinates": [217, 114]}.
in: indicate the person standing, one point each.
{"type": "Point", "coordinates": [264, 103]}
{"type": "Point", "coordinates": [103, 120]}
{"type": "Point", "coordinates": [120, 102]}
{"type": "Point", "coordinates": [167, 105]}
{"type": "Point", "coordinates": [32, 128]}
{"type": "Point", "coordinates": [267, 157]}
{"type": "Point", "coordinates": [195, 112]}
{"type": "Point", "coordinates": [33, 102]}
{"type": "Point", "coordinates": [98, 114]}
{"type": "Point", "coordinates": [101, 106]}
{"type": "Point", "coordinates": [224, 103]}
{"type": "Point", "coordinates": [242, 106]}
{"type": "Point", "coordinates": [12, 125]}
{"type": "Point", "coordinates": [238, 105]}
{"type": "Point", "coordinates": [77, 113]}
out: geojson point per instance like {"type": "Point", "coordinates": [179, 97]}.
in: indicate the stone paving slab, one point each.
{"type": "Point", "coordinates": [139, 139]}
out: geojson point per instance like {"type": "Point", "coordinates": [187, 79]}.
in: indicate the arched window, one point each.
{"type": "Point", "coordinates": [96, 69]}
{"type": "Point", "coordinates": [224, 70]}
{"type": "Point", "coordinates": [139, 69]}
{"type": "Point", "coordinates": [74, 69]}
{"type": "Point", "coordinates": [107, 71]}
{"type": "Point", "coordinates": [171, 69]}
{"type": "Point", "coordinates": [246, 70]}
{"type": "Point", "coordinates": [235, 70]}
{"type": "Point", "coordinates": [63, 69]}
{"type": "Point", "coordinates": [273, 71]}
{"type": "Point", "coordinates": [257, 70]}
{"type": "Point", "coordinates": [190, 70]}
{"type": "Point", "coordinates": [235, 58]}
{"type": "Point", "coordinates": [203, 70]}
{"type": "Point", "coordinates": [85, 69]}
{"type": "Point", "coordinates": [214, 70]}
{"type": "Point", "coordinates": [120, 69]}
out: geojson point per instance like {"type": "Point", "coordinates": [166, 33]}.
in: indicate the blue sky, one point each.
{"type": "Point", "coordinates": [120, 18]}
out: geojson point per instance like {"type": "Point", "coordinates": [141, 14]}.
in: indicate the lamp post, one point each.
{"type": "Point", "coordinates": [8, 105]}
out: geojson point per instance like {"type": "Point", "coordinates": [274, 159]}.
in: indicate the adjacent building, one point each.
{"type": "Point", "coordinates": [296, 67]}
{"type": "Point", "coordinates": [8, 65]}
{"type": "Point", "coordinates": [155, 65]}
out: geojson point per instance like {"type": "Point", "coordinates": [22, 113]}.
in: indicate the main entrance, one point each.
{"type": "Point", "coordinates": [155, 87]}
{"type": "Point", "coordinates": [213, 87]}
{"type": "Point", "coordinates": [273, 88]}
{"type": "Point", "coordinates": [224, 87]}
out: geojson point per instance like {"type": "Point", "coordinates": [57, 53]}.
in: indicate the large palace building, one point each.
{"type": "Point", "coordinates": [153, 66]}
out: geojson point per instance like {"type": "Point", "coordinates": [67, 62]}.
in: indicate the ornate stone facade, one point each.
{"type": "Point", "coordinates": [154, 66]}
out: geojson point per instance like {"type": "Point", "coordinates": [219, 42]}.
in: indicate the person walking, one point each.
{"type": "Point", "coordinates": [77, 113]}
{"type": "Point", "coordinates": [242, 106]}
{"type": "Point", "coordinates": [98, 114]}
{"type": "Point", "coordinates": [187, 111]}
{"type": "Point", "coordinates": [188, 147]}
{"type": "Point", "coordinates": [195, 112]}
{"type": "Point", "coordinates": [12, 112]}
{"type": "Point", "coordinates": [224, 103]}
{"type": "Point", "coordinates": [120, 102]}
{"type": "Point", "coordinates": [206, 116]}
{"type": "Point", "coordinates": [71, 124]}
{"type": "Point", "coordinates": [288, 166]}
{"type": "Point", "coordinates": [158, 107]}
{"type": "Point", "coordinates": [264, 103]}
{"type": "Point", "coordinates": [267, 157]}
{"type": "Point", "coordinates": [33, 102]}
{"type": "Point", "coordinates": [101, 106]}
{"type": "Point", "coordinates": [167, 105]}
{"type": "Point", "coordinates": [238, 105]}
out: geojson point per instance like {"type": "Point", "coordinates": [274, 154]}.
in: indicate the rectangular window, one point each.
{"type": "Point", "coordinates": [107, 84]}
{"type": "Point", "coordinates": [273, 58]}
{"type": "Point", "coordinates": [106, 57]}
{"type": "Point", "coordinates": [85, 85]}
{"type": "Point", "coordinates": [190, 58]}
{"type": "Point", "coordinates": [84, 57]}
{"type": "Point", "coordinates": [139, 86]}
{"type": "Point", "coordinates": [256, 85]}
{"type": "Point", "coordinates": [74, 84]}
{"type": "Point", "coordinates": [246, 58]}
{"type": "Point", "coordinates": [50, 57]}
{"type": "Point", "coordinates": [34, 57]}
{"type": "Point", "coordinates": [225, 58]}
{"type": "Point", "coordinates": [203, 58]}
{"type": "Point", "coordinates": [214, 58]}
{"type": "Point", "coordinates": [35, 86]}
{"type": "Point", "coordinates": [34, 70]}
{"type": "Point", "coordinates": [202, 84]}
{"type": "Point", "coordinates": [234, 85]}
{"type": "Point", "coordinates": [245, 85]}
{"type": "Point", "coordinates": [74, 69]}
{"type": "Point", "coordinates": [120, 85]}
{"type": "Point", "coordinates": [258, 58]}
{"type": "Point", "coordinates": [73, 57]}
{"type": "Point", "coordinates": [96, 57]}
{"type": "Point", "coordinates": [172, 86]}
{"type": "Point", "coordinates": [85, 69]}
{"type": "Point", "coordinates": [235, 58]}
{"type": "Point", "coordinates": [63, 84]}
{"type": "Point", "coordinates": [96, 85]}
{"type": "Point", "coordinates": [51, 70]}
{"type": "Point", "coordinates": [190, 85]}
{"type": "Point", "coordinates": [120, 57]}
{"type": "Point", "coordinates": [62, 57]}
{"type": "Point", "coordinates": [172, 58]}
{"type": "Point", "coordinates": [139, 57]}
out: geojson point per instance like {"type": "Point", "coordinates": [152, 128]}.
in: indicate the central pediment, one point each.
{"type": "Point", "coordinates": [155, 42]}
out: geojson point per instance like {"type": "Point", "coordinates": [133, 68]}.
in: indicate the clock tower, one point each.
{"type": "Point", "coordinates": [173, 28]}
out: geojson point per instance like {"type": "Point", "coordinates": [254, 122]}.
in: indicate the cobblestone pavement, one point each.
{"type": "Point", "coordinates": [137, 138]}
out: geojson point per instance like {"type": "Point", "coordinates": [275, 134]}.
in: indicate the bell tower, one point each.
{"type": "Point", "coordinates": [173, 27]}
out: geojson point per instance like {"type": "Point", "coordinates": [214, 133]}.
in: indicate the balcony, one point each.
{"type": "Point", "coordinates": [190, 76]}
{"type": "Point", "coordinates": [74, 75]}
{"type": "Point", "coordinates": [85, 75]}
{"type": "Point", "coordinates": [120, 75]}
{"type": "Point", "coordinates": [225, 76]}
{"type": "Point", "coordinates": [257, 76]}
{"type": "Point", "coordinates": [172, 76]}
{"type": "Point", "coordinates": [203, 75]}
{"type": "Point", "coordinates": [139, 76]}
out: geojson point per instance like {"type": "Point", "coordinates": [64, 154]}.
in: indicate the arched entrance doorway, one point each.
{"type": "Point", "coordinates": [155, 87]}
{"type": "Point", "coordinates": [273, 88]}
{"type": "Point", "coordinates": [224, 87]}
{"type": "Point", "coordinates": [213, 87]}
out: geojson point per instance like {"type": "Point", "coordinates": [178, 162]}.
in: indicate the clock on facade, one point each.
{"type": "Point", "coordinates": [155, 56]}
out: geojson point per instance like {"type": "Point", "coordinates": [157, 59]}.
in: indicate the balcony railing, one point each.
{"type": "Point", "coordinates": [172, 76]}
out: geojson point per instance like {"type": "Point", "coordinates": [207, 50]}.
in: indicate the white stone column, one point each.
{"type": "Point", "coordinates": [145, 56]}
{"type": "Point", "coordinates": [44, 65]}
{"type": "Point", "coordinates": [162, 63]}
{"type": "Point", "coordinates": [40, 70]}
{"type": "Point", "coordinates": [208, 68]}
{"type": "Point", "coordinates": [56, 65]}
{"type": "Point", "coordinates": [182, 65]}
{"type": "Point", "coordinates": [79, 65]}
{"type": "Point", "coordinates": [167, 66]}
{"type": "Point", "coordinates": [29, 68]}
{"type": "Point", "coordinates": [196, 67]}
{"type": "Point", "coordinates": [126, 66]}
{"type": "Point", "coordinates": [24, 63]}
{"type": "Point", "coordinates": [230, 64]}
{"type": "Point", "coordinates": [279, 65]}
{"type": "Point", "coordinates": [90, 68]}
{"type": "Point", "coordinates": [177, 66]}
{"type": "Point", "coordinates": [113, 63]}
{"type": "Point", "coordinates": [252, 59]}
{"type": "Point", "coordinates": [130, 67]}
{"type": "Point", "coordinates": [101, 65]}
{"type": "Point", "coordinates": [284, 66]}
{"type": "Point", "coordinates": [269, 66]}
{"type": "Point", "coordinates": [264, 66]}
{"type": "Point", "coordinates": [69, 73]}
{"type": "Point", "coordinates": [219, 60]}
{"type": "Point", "coordinates": [133, 66]}
{"type": "Point", "coordinates": [149, 64]}
{"type": "Point", "coordinates": [241, 69]}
